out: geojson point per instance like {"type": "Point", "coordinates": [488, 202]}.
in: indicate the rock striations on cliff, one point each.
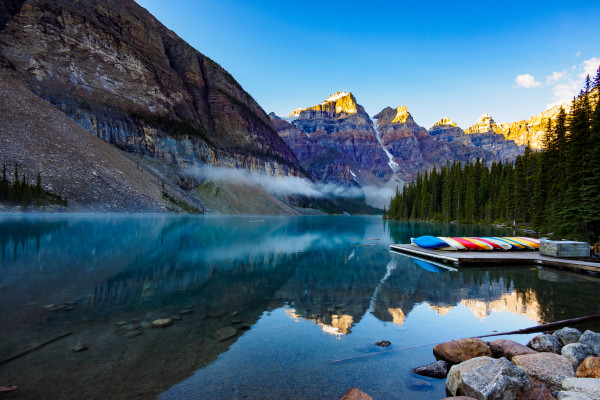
{"type": "Point", "coordinates": [122, 75]}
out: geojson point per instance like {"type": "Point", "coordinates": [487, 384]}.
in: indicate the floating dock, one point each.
{"type": "Point", "coordinates": [473, 257]}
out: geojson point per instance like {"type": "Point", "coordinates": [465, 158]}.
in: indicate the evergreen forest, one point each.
{"type": "Point", "coordinates": [555, 190]}
{"type": "Point", "coordinates": [19, 192]}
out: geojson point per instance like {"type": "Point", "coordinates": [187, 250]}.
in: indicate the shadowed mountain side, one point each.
{"type": "Point", "coordinates": [92, 174]}
{"type": "Point", "coordinates": [126, 78]}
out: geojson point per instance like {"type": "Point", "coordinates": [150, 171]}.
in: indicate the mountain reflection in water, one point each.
{"type": "Point", "coordinates": [309, 289]}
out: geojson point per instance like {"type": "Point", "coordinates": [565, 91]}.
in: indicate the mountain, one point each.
{"type": "Point", "coordinates": [127, 79]}
{"type": "Point", "coordinates": [335, 142]}
{"type": "Point", "coordinates": [531, 130]}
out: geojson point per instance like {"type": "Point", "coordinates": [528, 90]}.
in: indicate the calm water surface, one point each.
{"type": "Point", "coordinates": [300, 292]}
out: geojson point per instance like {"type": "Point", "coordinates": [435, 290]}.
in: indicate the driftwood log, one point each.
{"type": "Point", "coordinates": [34, 348]}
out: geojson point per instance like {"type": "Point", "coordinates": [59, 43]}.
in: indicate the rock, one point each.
{"type": "Point", "coordinates": [162, 323]}
{"type": "Point", "coordinates": [545, 368]}
{"type": "Point", "coordinates": [245, 326]}
{"type": "Point", "coordinates": [79, 346]}
{"type": "Point", "coordinates": [225, 333]}
{"type": "Point", "coordinates": [457, 371]}
{"type": "Point", "coordinates": [234, 313]}
{"type": "Point", "coordinates": [121, 323]}
{"type": "Point", "coordinates": [577, 352]}
{"type": "Point", "coordinates": [496, 379]}
{"type": "Point", "coordinates": [538, 393]}
{"type": "Point", "coordinates": [186, 311]}
{"type": "Point", "coordinates": [568, 335]}
{"type": "Point", "coordinates": [134, 333]}
{"type": "Point", "coordinates": [508, 349]}
{"type": "Point", "coordinates": [132, 327]}
{"type": "Point", "coordinates": [592, 339]}
{"type": "Point", "coordinates": [176, 318]}
{"type": "Point", "coordinates": [355, 394]}
{"type": "Point", "coordinates": [545, 343]}
{"type": "Point", "coordinates": [6, 389]}
{"type": "Point", "coordinates": [437, 369]}
{"type": "Point", "coordinates": [49, 306]}
{"type": "Point", "coordinates": [589, 368]}
{"type": "Point", "coordinates": [461, 350]}
{"type": "Point", "coordinates": [565, 395]}
{"type": "Point", "coordinates": [383, 343]}
{"type": "Point", "coordinates": [459, 398]}
{"type": "Point", "coordinates": [588, 386]}
{"type": "Point", "coordinates": [236, 321]}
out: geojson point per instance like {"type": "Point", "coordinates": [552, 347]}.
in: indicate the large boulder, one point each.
{"type": "Point", "coordinates": [461, 350]}
{"type": "Point", "coordinates": [567, 335]}
{"type": "Point", "coordinates": [538, 393]}
{"type": "Point", "coordinates": [457, 371]}
{"type": "Point", "coordinates": [356, 394]}
{"type": "Point", "coordinates": [589, 368]}
{"type": "Point", "coordinates": [545, 343]}
{"type": "Point", "coordinates": [587, 386]}
{"type": "Point", "coordinates": [509, 348]}
{"type": "Point", "coordinates": [577, 352]}
{"type": "Point", "coordinates": [498, 379]}
{"type": "Point", "coordinates": [437, 369]}
{"type": "Point", "coordinates": [592, 339]}
{"type": "Point", "coordinates": [546, 368]}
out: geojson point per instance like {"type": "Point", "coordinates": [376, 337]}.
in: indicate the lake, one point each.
{"type": "Point", "coordinates": [296, 293]}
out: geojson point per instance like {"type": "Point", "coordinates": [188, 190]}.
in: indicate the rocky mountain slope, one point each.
{"type": "Point", "coordinates": [123, 76]}
{"type": "Point", "coordinates": [530, 131]}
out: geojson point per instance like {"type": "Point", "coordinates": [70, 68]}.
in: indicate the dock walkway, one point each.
{"type": "Point", "coordinates": [485, 257]}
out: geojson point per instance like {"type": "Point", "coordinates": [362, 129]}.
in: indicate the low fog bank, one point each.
{"type": "Point", "coordinates": [291, 185]}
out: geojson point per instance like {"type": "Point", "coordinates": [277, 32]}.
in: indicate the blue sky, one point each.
{"type": "Point", "coordinates": [510, 59]}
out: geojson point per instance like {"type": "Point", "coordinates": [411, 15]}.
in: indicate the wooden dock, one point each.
{"type": "Point", "coordinates": [494, 257]}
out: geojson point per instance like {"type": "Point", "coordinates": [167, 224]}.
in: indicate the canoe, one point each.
{"type": "Point", "coordinates": [431, 242]}
{"type": "Point", "coordinates": [470, 245]}
{"type": "Point", "coordinates": [535, 243]}
{"type": "Point", "coordinates": [492, 243]}
{"type": "Point", "coordinates": [527, 243]}
{"type": "Point", "coordinates": [452, 243]}
{"type": "Point", "coordinates": [504, 245]}
{"type": "Point", "coordinates": [482, 245]}
{"type": "Point", "coordinates": [515, 245]}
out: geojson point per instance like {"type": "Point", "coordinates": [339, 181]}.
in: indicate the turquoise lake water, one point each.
{"type": "Point", "coordinates": [300, 292]}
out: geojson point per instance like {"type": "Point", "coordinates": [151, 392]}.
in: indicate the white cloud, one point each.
{"type": "Point", "coordinates": [526, 81]}
{"type": "Point", "coordinates": [566, 84]}
{"type": "Point", "coordinates": [555, 77]}
{"type": "Point", "coordinates": [589, 67]}
{"type": "Point", "coordinates": [577, 54]}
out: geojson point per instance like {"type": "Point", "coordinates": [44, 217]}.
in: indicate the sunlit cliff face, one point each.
{"type": "Point", "coordinates": [444, 121]}
{"type": "Point", "coordinates": [337, 103]}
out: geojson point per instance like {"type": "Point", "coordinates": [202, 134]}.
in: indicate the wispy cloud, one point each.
{"type": "Point", "coordinates": [566, 84]}
{"type": "Point", "coordinates": [577, 54]}
{"type": "Point", "coordinates": [526, 81]}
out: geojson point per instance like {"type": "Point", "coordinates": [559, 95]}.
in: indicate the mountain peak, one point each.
{"type": "Point", "coordinates": [484, 124]}
{"type": "Point", "coordinates": [444, 121]}
{"type": "Point", "coordinates": [398, 115]}
{"type": "Point", "coordinates": [337, 103]}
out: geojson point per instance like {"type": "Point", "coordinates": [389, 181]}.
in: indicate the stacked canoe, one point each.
{"type": "Point", "coordinates": [476, 243]}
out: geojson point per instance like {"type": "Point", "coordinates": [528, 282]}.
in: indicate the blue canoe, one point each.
{"type": "Point", "coordinates": [429, 242]}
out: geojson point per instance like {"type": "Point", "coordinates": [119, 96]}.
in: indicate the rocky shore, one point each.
{"type": "Point", "coordinates": [564, 365]}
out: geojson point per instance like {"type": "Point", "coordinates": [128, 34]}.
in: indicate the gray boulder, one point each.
{"type": "Point", "coordinates": [564, 395]}
{"type": "Point", "coordinates": [545, 343]}
{"type": "Point", "coordinates": [457, 371]}
{"type": "Point", "coordinates": [437, 369]}
{"type": "Point", "coordinates": [577, 352]}
{"type": "Point", "coordinates": [568, 335]}
{"type": "Point", "coordinates": [497, 380]}
{"type": "Point", "coordinates": [592, 339]}
{"type": "Point", "coordinates": [587, 386]}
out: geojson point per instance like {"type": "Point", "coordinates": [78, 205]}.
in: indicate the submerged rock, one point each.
{"type": "Point", "coordinates": [546, 368]}
{"type": "Point", "coordinates": [495, 379]}
{"type": "Point", "coordinates": [592, 339]}
{"type": "Point", "coordinates": [587, 386]}
{"type": "Point", "coordinates": [133, 333]}
{"type": "Point", "coordinates": [461, 350]}
{"type": "Point", "coordinates": [186, 311]}
{"type": "Point", "coordinates": [437, 369]}
{"type": "Point", "coordinates": [79, 346]}
{"type": "Point", "coordinates": [568, 335]}
{"type": "Point", "coordinates": [355, 394]}
{"type": "Point", "coordinates": [162, 323]}
{"type": "Point", "coordinates": [545, 343]}
{"type": "Point", "coordinates": [225, 333]}
{"type": "Point", "coordinates": [383, 343]}
{"type": "Point", "coordinates": [509, 348]}
{"type": "Point", "coordinates": [589, 368]}
{"type": "Point", "coordinates": [577, 352]}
